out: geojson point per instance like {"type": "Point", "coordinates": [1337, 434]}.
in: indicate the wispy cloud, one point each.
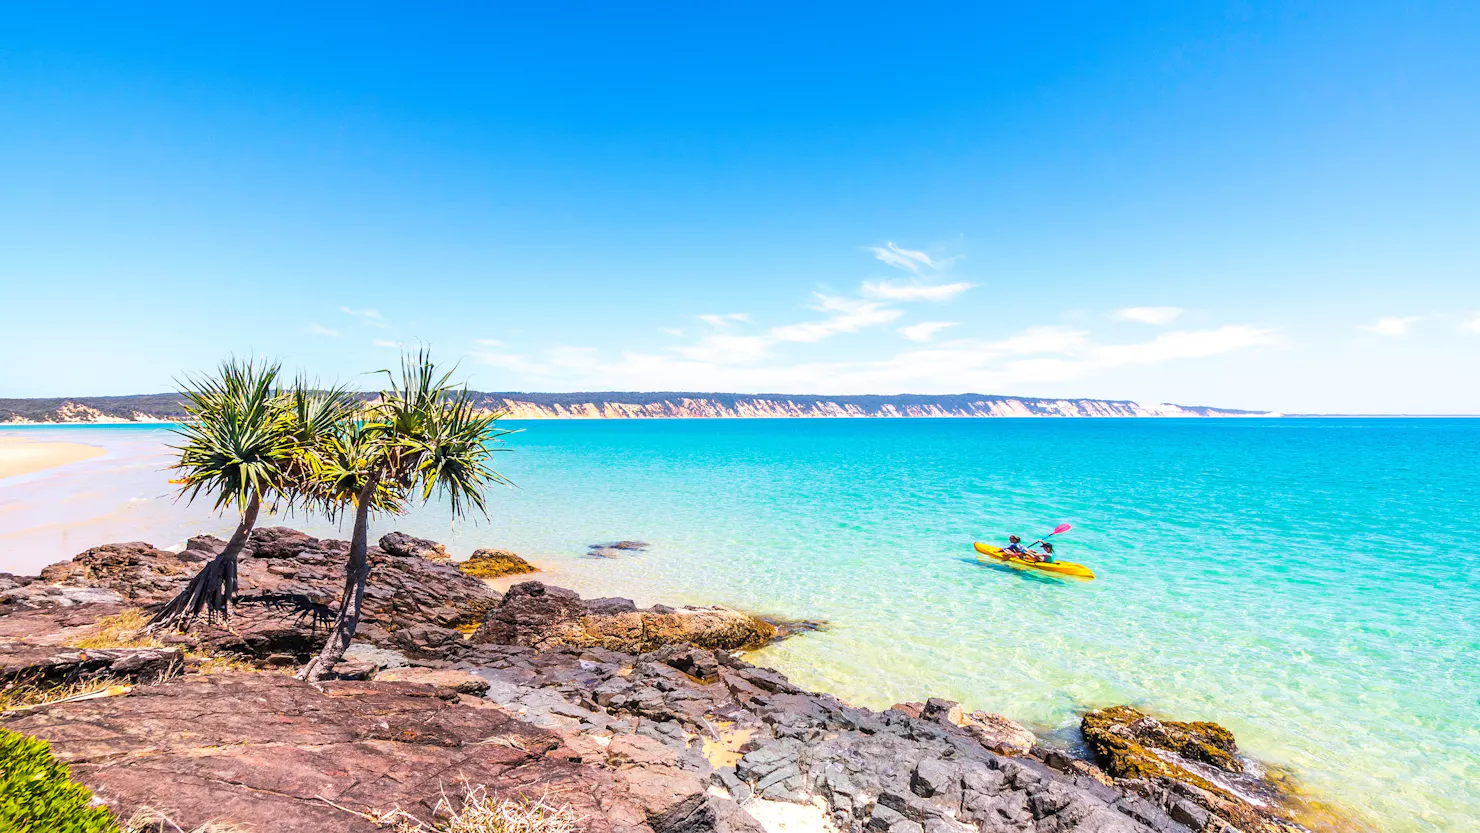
{"type": "Point", "coordinates": [724, 320]}
{"type": "Point", "coordinates": [370, 317]}
{"type": "Point", "coordinates": [1472, 323]}
{"type": "Point", "coordinates": [727, 356]}
{"type": "Point", "coordinates": [925, 330]}
{"type": "Point", "coordinates": [1392, 325]}
{"type": "Point", "coordinates": [844, 315]}
{"type": "Point", "coordinates": [1160, 316]}
{"type": "Point", "coordinates": [909, 260]}
{"type": "Point", "coordinates": [385, 342]}
{"type": "Point", "coordinates": [891, 291]}
{"type": "Point", "coordinates": [320, 330]}
{"type": "Point", "coordinates": [1035, 355]}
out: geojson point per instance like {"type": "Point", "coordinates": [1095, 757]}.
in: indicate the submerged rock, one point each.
{"type": "Point", "coordinates": [491, 563]}
{"type": "Point", "coordinates": [616, 548]}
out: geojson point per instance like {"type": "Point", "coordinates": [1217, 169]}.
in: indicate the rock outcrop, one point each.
{"type": "Point", "coordinates": [995, 732]}
{"type": "Point", "coordinates": [267, 751]}
{"type": "Point", "coordinates": [643, 721]}
{"type": "Point", "coordinates": [1191, 768]}
{"type": "Point", "coordinates": [289, 588]}
{"type": "Point", "coordinates": [547, 617]}
{"type": "Point", "coordinates": [399, 543]}
{"type": "Point", "coordinates": [492, 563]}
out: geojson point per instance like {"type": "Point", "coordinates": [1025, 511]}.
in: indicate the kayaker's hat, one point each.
{"type": "Point", "coordinates": [1047, 547]}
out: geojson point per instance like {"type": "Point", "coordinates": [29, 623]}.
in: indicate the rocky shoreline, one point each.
{"type": "Point", "coordinates": [635, 720]}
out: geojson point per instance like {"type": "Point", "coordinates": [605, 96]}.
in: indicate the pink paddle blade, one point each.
{"type": "Point", "coordinates": [1061, 528]}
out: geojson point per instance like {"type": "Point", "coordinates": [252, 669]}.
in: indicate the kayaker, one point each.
{"type": "Point", "coordinates": [1045, 557]}
{"type": "Point", "coordinates": [1014, 546]}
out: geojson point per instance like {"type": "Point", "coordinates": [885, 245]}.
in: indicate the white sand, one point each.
{"type": "Point", "coordinates": [19, 455]}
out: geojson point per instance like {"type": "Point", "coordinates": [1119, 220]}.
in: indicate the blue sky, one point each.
{"type": "Point", "coordinates": [1239, 204]}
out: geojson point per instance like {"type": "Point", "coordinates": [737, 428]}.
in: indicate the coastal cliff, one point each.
{"type": "Point", "coordinates": [661, 405]}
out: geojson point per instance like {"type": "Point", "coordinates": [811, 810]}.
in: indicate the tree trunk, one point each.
{"type": "Point", "coordinates": [213, 589]}
{"type": "Point", "coordinates": [356, 572]}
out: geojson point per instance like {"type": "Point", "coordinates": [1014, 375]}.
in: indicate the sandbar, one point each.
{"type": "Point", "coordinates": [20, 455]}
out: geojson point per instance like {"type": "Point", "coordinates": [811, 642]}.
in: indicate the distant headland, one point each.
{"type": "Point", "coordinates": [165, 407]}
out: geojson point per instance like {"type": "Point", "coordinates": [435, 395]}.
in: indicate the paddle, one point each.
{"type": "Point", "coordinates": [1056, 531]}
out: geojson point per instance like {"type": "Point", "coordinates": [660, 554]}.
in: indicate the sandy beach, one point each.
{"type": "Point", "coordinates": [19, 455]}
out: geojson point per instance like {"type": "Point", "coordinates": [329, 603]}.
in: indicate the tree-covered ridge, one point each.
{"type": "Point", "coordinates": [168, 406]}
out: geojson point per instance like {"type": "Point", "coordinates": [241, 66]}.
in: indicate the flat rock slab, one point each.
{"type": "Point", "coordinates": [277, 754]}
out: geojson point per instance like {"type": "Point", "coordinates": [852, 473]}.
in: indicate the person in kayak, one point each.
{"type": "Point", "coordinates": [1014, 546]}
{"type": "Point", "coordinates": [1045, 557]}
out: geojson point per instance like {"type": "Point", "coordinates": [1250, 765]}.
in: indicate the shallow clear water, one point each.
{"type": "Point", "coordinates": [1312, 584]}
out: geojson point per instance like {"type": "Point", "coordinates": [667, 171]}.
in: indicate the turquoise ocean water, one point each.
{"type": "Point", "coordinates": [1312, 584]}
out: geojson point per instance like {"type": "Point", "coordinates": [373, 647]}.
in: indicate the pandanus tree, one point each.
{"type": "Point", "coordinates": [247, 442]}
{"type": "Point", "coordinates": [423, 437]}
{"type": "Point", "coordinates": [236, 448]}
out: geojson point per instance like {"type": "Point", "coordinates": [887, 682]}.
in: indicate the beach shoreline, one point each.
{"type": "Point", "coordinates": [23, 455]}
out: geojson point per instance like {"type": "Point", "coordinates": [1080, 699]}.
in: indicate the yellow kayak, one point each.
{"type": "Point", "coordinates": [1063, 568]}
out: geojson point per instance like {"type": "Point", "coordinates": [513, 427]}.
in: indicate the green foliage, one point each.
{"type": "Point", "coordinates": [423, 436]}
{"type": "Point", "coordinates": [236, 440]}
{"type": "Point", "coordinates": [37, 794]}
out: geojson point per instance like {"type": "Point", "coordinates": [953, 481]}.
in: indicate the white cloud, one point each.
{"type": "Point", "coordinates": [370, 317]}
{"type": "Point", "coordinates": [845, 315]}
{"type": "Point", "coordinates": [1472, 323]}
{"type": "Point", "coordinates": [1160, 316]}
{"type": "Point", "coordinates": [906, 259]}
{"type": "Point", "coordinates": [925, 330]}
{"type": "Point", "coordinates": [1392, 325]}
{"type": "Point", "coordinates": [891, 291]}
{"type": "Point", "coordinates": [1197, 344]}
{"type": "Point", "coordinates": [724, 320]}
{"type": "Point", "coordinates": [321, 330]}
{"type": "Point", "coordinates": [385, 342]}
{"type": "Point", "coordinates": [748, 363]}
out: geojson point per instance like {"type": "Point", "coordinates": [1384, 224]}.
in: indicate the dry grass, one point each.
{"type": "Point", "coordinates": [122, 630]}
{"type": "Point", "coordinates": [481, 814]}
{"type": "Point", "coordinates": [25, 695]}
{"type": "Point", "coordinates": [150, 820]}
{"type": "Point", "coordinates": [126, 630]}
{"type": "Point", "coordinates": [478, 812]}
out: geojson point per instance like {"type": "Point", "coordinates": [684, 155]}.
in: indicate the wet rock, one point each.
{"type": "Point", "coordinates": [409, 546]}
{"type": "Point", "coordinates": [1170, 762]}
{"type": "Point", "coordinates": [491, 563]}
{"type": "Point", "coordinates": [1114, 732]}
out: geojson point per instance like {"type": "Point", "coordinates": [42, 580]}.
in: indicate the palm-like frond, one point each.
{"type": "Point", "coordinates": [436, 441]}
{"type": "Point", "coordinates": [233, 441]}
{"type": "Point", "coordinates": [318, 418]}
{"type": "Point", "coordinates": [343, 464]}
